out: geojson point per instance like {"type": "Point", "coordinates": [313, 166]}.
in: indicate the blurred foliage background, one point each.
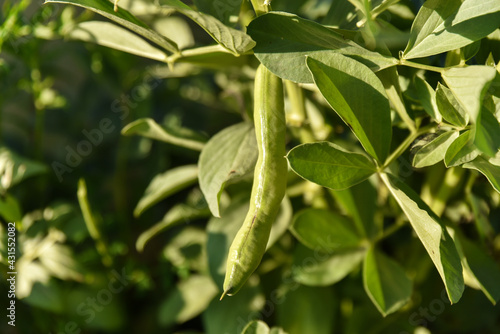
{"type": "Point", "coordinates": [79, 270]}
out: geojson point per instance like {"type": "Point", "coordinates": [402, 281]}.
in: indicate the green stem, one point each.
{"type": "Point", "coordinates": [408, 63]}
{"type": "Point", "coordinates": [261, 6]}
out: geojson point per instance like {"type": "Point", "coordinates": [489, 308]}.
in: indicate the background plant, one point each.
{"type": "Point", "coordinates": [114, 166]}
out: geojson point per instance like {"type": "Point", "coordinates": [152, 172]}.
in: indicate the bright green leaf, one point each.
{"type": "Point", "coordinates": [324, 230]}
{"type": "Point", "coordinates": [469, 85]}
{"type": "Point", "coordinates": [492, 172]}
{"type": "Point", "coordinates": [330, 165]}
{"type": "Point", "coordinates": [316, 268]}
{"type": "Point", "coordinates": [442, 26]}
{"type": "Point", "coordinates": [166, 184]}
{"type": "Point", "coordinates": [123, 17]}
{"type": "Point", "coordinates": [433, 235]}
{"type": "Point", "coordinates": [358, 96]}
{"type": "Point", "coordinates": [113, 36]}
{"type": "Point", "coordinates": [462, 150]}
{"type": "Point", "coordinates": [450, 108]}
{"type": "Point", "coordinates": [284, 40]}
{"type": "Point", "coordinates": [233, 40]}
{"type": "Point", "coordinates": [385, 282]}
{"type": "Point", "coordinates": [434, 150]}
{"type": "Point", "coordinates": [188, 299]}
{"type": "Point", "coordinates": [229, 155]}
{"type": "Point", "coordinates": [256, 327]}
{"type": "Point", "coordinates": [148, 128]}
{"type": "Point", "coordinates": [427, 97]}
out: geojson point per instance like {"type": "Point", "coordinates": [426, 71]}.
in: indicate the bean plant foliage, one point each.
{"type": "Point", "coordinates": [391, 218]}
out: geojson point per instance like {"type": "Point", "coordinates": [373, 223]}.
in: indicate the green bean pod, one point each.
{"type": "Point", "coordinates": [269, 182]}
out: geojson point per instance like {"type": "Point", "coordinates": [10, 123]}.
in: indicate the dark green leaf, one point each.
{"type": "Point", "coordinates": [491, 171]}
{"type": "Point", "coordinates": [324, 230]}
{"type": "Point", "coordinates": [229, 155]}
{"type": "Point", "coordinates": [358, 96]}
{"type": "Point", "coordinates": [15, 168]}
{"type": "Point", "coordinates": [450, 108]}
{"type": "Point", "coordinates": [330, 165]}
{"type": "Point", "coordinates": [487, 137]}
{"type": "Point", "coordinates": [433, 235]}
{"type": "Point", "coordinates": [427, 97]}
{"type": "Point", "coordinates": [385, 282]}
{"type": "Point", "coordinates": [284, 40]}
{"type": "Point", "coordinates": [223, 10]}
{"type": "Point", "coordinates": [123, 17]}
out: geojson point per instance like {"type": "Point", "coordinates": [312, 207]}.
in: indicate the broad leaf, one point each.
{"type": "Point", "coordinates": [15, 168]}
{"type": "Point", "coordinates": [358, 96]}
{"type": "Point", "coordinates": [147, 127]}
{"type": "Point", "coordinates": [10, 209]}
{"type": "Point", "coordinates": [324, 230]}
{"type": "Point", "coordinates": [316, 268]}
{"type": "Point", "coordinates": [491, 171]}
{"type": "Point", "coordinates": [166, 184]}
{"type": "Point", "coordinates": [433, 151]}
{"type": "Point", "coordinates": [433, 235]}
{"type": "Point", "coordinates": [427, 97]}
{"type": "Point", "coordinates": [450, 108]}
{"type": "Point", "coordinates": [223, 10]}
{"type": "Point", "coordinates": [469, 85]}
{"type": "Point", "coordinates": [442, 26]}
{"type": "Point", "coordinates": [123, 17]}
{"type": "Point", "coordinates": [113, 36]}
{"type": "Point", "coordinates": [487, 138]}
{"type": "Point", "coordinates": [188, 299]}
{"type": "Point", "coordinates": [284, 40]}
{"type": "Point", "coordinates": [462, 150]}
{"type": "Point", "coordinates": [233, 40]}
{"type": "Point", "coordinates": [307, 310]}
{"type": "Point", "coordinates": [229, 155]}
{"type": "Point", "coordinates": [330, 165]}
{"type": "Point", "coordinates": [385, 282]}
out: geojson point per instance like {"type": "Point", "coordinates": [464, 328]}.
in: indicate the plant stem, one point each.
{"type": "Point", "coordinates": [408, 63]}
{"type": "Point", "coordinates": [261, 6]}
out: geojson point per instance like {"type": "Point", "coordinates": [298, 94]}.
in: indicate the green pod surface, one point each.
{"type": "Point", "coordinates": [269, 182]}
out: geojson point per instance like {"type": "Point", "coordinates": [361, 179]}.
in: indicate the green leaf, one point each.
{"type": "Point", "coordinates": [233, 40]}
{"type": "Point", "coordinates": [188, 299]}
{"type": "Point", "coordinates": [442, 26]}
{"type": "Point", "coordinates": [385, 282]}
{"type": "Point", "coordinates": [256, 327]}
{"type": "Point", "coordinates": [433, 235]}
{"type": "Point", "coordinates": [284, 40]}
{"type": "Point", "coordinates": [185, 249]}
{"type": "Point", "coordinates": [224, 10]}
{"type": "Point", "coordinates": [113, 36]}
{"type": "Point", "coordinates": [229, 155]}
{"type": "Point", "coordinates": [123, 17]}
{"type": "Point", "coordinates": [329, 165]}
{"type": "Point", "coordinates": [10, 209]}
{"type": "Point", "coordinates": [360, 203]}
{"type": "Point", "coordinates": [316, 268]}
{"type": "Point", "coordinates": [15, 168]}
{"type": "Point", "coordinates": [462, 150]}
{"type": "Point", "coordinates": [166, 184]}
{"type": "Point", "coordinates": [178, 214]}
{"type": "Point", "coordinates": [469, 85]}
{"type": "Point", "coordinates": [148, 128]}
{"type": "Point", "coordinates": [450, 108]}
{"type": "Point", "coordinates": [433, 151]}
{"type": "Point", "coordinates": [324, 230]}
{"type": "Point", "coordinates": [427, 97]}
{"type": "Point", "coordinates": [492, 172]}
{"type": "Point", "coordinates": [230, 315]}
{"type": "Point", "coordinates": [487, 138]}
{"type": "Point", "coordinates": [307, 310]}
{"type": "Point", "coordinates": [358, 96]}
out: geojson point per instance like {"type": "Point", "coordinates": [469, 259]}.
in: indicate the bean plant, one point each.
{"type": "Point", "coordinates": [341, 173]}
